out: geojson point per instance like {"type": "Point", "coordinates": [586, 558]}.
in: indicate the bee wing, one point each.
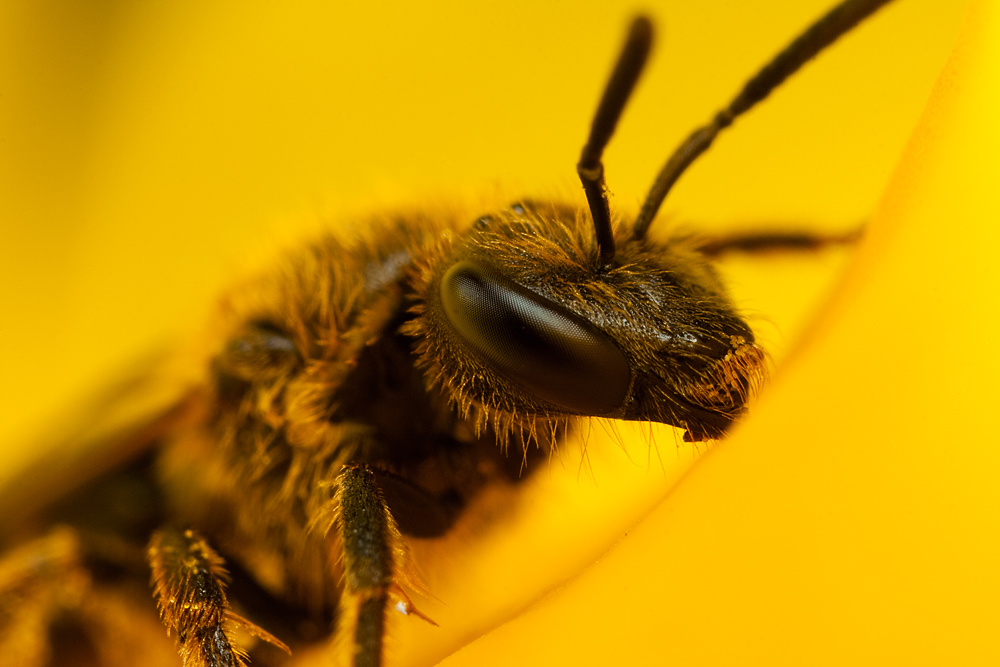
{"type": "Point", "coordinates": [115, 426]}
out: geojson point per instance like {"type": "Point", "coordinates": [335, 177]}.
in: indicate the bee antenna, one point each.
{"type": "Point", "coordinates": [838, 21]}
{"type": "Point", "coordinates": [590, 168]}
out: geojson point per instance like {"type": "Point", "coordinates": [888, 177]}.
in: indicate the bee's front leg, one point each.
{"type": "Point", "coordinates": [189, 580]}
{"type": "Point", "coordinates": [372, 553]}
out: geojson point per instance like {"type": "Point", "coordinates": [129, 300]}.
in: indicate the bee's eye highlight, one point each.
{"type": "Point", "coordinates": [258, 351]}
{"type": "Point", "coordinates": [553, 353]}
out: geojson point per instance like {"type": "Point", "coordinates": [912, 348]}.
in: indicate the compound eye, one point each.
{"type": "Point", "coordinates": [554, 354]}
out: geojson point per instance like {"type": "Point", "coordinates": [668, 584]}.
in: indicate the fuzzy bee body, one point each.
{"type": "Point", "coordinates": [369, 390]}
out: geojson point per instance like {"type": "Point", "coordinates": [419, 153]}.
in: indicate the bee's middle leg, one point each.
{"type": "Point", "coordinates": [372, 549]}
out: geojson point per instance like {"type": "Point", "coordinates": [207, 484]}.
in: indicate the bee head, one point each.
{"type": "Point", "coordinates": [522, 319]}
{"type": "Point", "coordinates": [546, 311]}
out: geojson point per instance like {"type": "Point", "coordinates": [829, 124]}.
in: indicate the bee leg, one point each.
{"type": "Point", "coordinates": [189, 580]}
{"type": "Point", "coordinates": [763, 242]}
{"type": "Point", "coordinates": [373, 549]}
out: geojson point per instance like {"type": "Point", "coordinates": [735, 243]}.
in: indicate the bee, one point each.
{"type": "Point", "coordinates": [369, 392]}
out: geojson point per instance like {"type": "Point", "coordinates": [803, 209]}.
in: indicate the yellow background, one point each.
{"type": "Point", "coordinates": [147, 150]}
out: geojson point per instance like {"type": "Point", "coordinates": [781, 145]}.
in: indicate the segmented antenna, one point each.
{"type": "Point", "coordinates": [616, 94]}
{"type": "Point", "coordinates": [840, 20]}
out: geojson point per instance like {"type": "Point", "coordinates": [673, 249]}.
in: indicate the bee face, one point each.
{"type": "Point", "coordinates": [149, 196]}
{"type": "Point", "coordinates": [521, 317]}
